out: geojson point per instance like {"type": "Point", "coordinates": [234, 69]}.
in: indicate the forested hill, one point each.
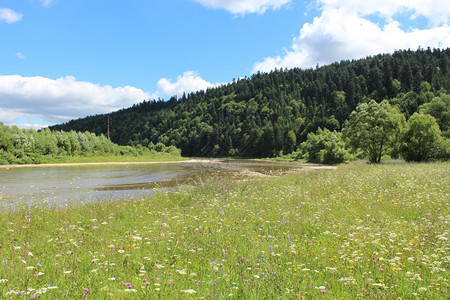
{"type": "Point", "coordinates": [265, 114]}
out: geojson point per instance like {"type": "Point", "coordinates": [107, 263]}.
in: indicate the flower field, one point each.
{"type": "Point", "coordinates": [366, 231]}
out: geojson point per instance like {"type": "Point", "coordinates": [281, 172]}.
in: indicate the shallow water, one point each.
{"type": "Point", "coordinates": [59, 186]}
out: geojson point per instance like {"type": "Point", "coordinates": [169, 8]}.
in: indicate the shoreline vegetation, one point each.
{"type": "Point", "coordinates": [356, 232]}
{"type": "Point", "coordinates": [28, 146]}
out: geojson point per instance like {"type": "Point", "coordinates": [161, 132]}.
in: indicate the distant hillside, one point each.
{"type": "Point", "coordinates": [256, 116]}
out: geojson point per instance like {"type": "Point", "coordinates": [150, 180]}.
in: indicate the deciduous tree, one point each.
{"type": "Point", "coordinates": [374, 127]}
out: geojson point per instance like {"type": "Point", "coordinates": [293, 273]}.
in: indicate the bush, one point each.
{"type": "Point", "coordinates": [325, 147]}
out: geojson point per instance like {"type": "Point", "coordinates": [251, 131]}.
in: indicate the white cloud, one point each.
{"type": "Point", "coordinates": [244, 6]}
{"type": "Point", "coordinates": [190, 81]}
{"type": "Point", "coordinates": [436, 11]}
{"type": "Point", "coordinates": [46, 3]}
{"type": "Point", "coordinates": [343, 31]}
{"type": "Point", "coordinates": [60, 100]}
{"type": "Point", "coordinates": [9, 16]}
{"type": "Point", "coordinates": [20, 55]}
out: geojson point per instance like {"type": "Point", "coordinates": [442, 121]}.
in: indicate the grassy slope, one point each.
{"type": "Point", "coordinates": [376, 231]}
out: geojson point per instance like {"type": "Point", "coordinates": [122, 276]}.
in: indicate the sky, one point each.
{"type": "Point", "coordinates": [67, 59]}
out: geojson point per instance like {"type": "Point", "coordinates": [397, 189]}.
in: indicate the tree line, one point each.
{"type": "Point", "coordinates": [273, 114]}
{"type": "Point", "coordinates": [27, 146]}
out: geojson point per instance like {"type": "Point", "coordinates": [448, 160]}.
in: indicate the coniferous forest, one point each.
{"type": "Point", "coordinates": [276, 113]}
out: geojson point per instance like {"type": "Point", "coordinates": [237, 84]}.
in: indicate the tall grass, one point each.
{"type": "Point", "coordinates": [376, 231]}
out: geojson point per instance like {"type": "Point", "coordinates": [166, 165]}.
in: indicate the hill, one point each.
{"type": "Point", "coordinates": [271, 113]}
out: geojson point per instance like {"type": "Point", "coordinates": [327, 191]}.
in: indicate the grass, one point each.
{"type": "Point", "coordinates": [358, 232]}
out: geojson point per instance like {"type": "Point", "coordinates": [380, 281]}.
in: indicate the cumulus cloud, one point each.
{"type": "Point", "coordinates": [62, 99]}
{"type": "Point", "coordinates": [190, 81]}
{"type": "Point", "coordinates": [344, 31]}
{"type": "Point", "coordinates": [9, 16]}
{"type": "Point", "coordinates": [244, 6]}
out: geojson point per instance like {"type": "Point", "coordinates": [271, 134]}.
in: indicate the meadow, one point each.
{"type": "Point", "coordinates": [360, 231]}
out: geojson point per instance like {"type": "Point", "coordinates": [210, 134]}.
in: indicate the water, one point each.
{"type": "Point", "coordinates": [58, 186]}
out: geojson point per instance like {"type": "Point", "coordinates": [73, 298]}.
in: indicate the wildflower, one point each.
{"type": "Point", "coordinates": [189, 291]}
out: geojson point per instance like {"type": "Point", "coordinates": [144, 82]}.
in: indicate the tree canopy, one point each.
{"type": "Point", "coordinates": [374, 127]}
{"type": "Point", "coordinates": [422, 139]}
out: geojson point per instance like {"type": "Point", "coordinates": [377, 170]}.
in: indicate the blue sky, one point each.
{"type": "Point", "coordinates": [65, 59]}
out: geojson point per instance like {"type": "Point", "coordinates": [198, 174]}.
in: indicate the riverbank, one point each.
{"type": "Point", "coordinates": [69, 164]}
{"type": "Point", "coordinates": [308, 166]}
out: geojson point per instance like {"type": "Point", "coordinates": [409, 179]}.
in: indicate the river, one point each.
{"type": "Point", "coordinates": [67, 184]}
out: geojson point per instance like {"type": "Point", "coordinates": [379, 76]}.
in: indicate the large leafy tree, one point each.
{"type": "Point", "coordinates": [422, 139]}
{"type": "Point", "coordinates": [374, 128]}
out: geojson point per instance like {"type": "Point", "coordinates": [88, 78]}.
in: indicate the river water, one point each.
{"type": "Point", "coordinates": [63, 185]}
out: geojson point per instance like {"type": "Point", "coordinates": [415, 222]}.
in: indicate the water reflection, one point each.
{"type": "Point", "coordinates": [55, 186]}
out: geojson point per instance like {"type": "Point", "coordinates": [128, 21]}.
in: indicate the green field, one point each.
{"type": "Point", "coordinates": [361, 231]}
